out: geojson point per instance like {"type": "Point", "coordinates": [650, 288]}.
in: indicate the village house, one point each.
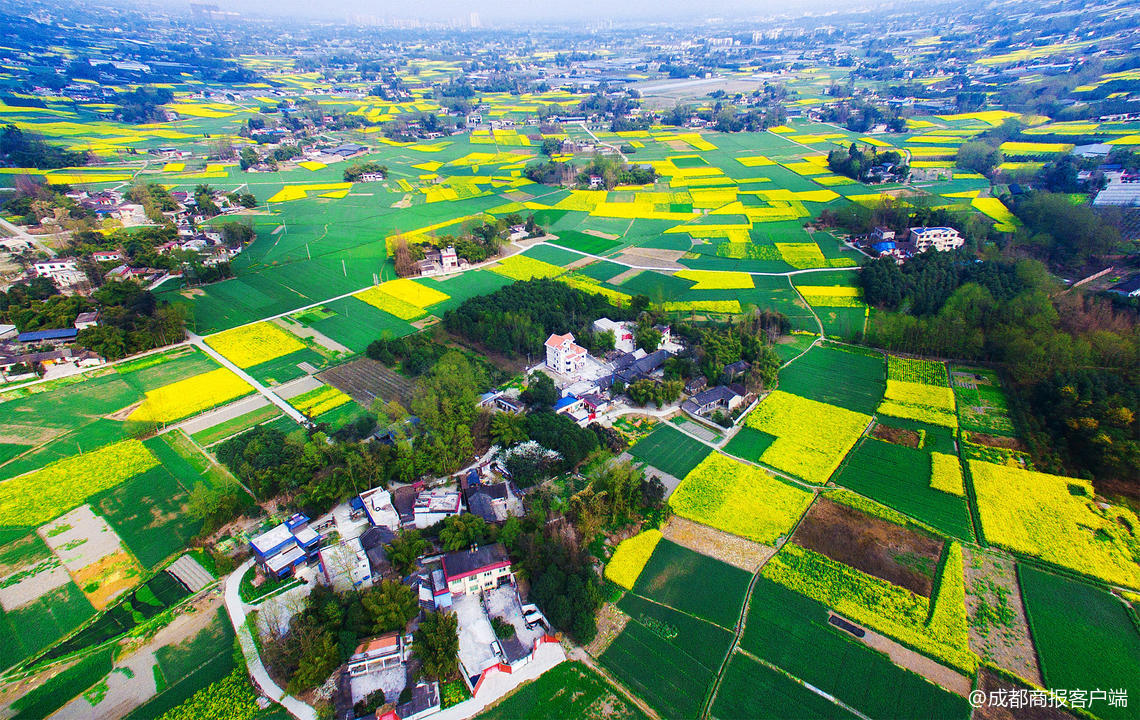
{"type": "Point", "coordinates": [939, 238]}
{"type": "Point", "coordinates": [563, 355]}
{"type": "Point", "coordinates": [64, 272]}
{"type": "Point", "coordinates": [286, 547]}
{"type": "Point", "coordinates": [477, 569]}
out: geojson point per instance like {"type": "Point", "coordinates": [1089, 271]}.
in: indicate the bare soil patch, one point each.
{"type": "Point", "coordinates": [877, 547]}
{"type": "Point", "coordinates": [998, 441]}
{"type": "Point", "coordinates": [898, 436]}
{"type": "Point", "coordinates": [27, 434]}
{"type": "Point", "coordinates": [623, 276]}
{"type": "Point", "coordinates": [999, 631]}
{"type": "Point", "coordinates": [125, 413]}
{"type": "Point", "coordinates": [32, 582]}
{"type": "Point", "coordinates": [599, 233]}
{"type": "Point", "coordinates": [660, 258]}
{"type": "Point", "coordinates": [366, 379]}
{"type": "Point", "coordinates": [735, 551]}
{"type": "Point", "coordinates": [192, 292]}
{"type": "Point", "coordinates": [611, 622]}
{"type": "Point", "coordinates": [990, 682]}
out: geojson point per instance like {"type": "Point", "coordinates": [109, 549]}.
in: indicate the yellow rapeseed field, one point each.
{"type": "Point", "coordinates": [190, 396]}
{"type": "Point", "coordinates": [250, 345]}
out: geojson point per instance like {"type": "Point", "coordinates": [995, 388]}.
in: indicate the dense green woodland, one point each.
{"type": "Point", "coordinates": [1074, 359]}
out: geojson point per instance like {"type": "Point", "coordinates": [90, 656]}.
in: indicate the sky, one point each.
{"type": "Point", "coordinates": [503, 12]}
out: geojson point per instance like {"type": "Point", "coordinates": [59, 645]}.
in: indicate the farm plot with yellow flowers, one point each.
{"type": "Point", "coordinates": [811, 437]}
{"type": "Point", "coordinates": [46, 493]}
{"type": "Point", "coordinates": [1057, 519]}
{"type": "Point", "coordinates": [741, 499]}
{"type": "Point", "coordinates": [251, 345]}
{"type": "Point", "coordinates": [190, 396]}
{"type": "Point", "coordinates": [919, 401]}
{"type": "Point", "coordinates": [630, 557]}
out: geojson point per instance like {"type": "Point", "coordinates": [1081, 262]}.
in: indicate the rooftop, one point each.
{"type": "Point", "coordinates": [465, 562]}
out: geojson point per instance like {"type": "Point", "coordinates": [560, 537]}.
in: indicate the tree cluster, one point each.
{"type": "Point", "coordinates": [516, 319]}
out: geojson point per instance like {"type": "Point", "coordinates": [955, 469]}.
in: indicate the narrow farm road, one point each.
{"type": "Point", "coordinates": [200, 342]}
{"type": "Point", "coordinates": [236, 609]}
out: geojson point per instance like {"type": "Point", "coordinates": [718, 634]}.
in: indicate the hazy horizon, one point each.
{"type": "Point", "coordinates": [505, 12]}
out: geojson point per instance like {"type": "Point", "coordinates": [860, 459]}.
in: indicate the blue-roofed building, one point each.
{"type": "Point", "coordinates": [286, 547]}
{"type": "Point", "coordinates": [567, 403]}
{"type": "Point", "coordinates": [882, 247]}
{"type": "Point", "coordinates": [56, 335]}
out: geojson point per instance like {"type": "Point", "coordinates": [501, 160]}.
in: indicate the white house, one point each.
{"type": "Point", "coordinates": [379, 508]}
{"type": "Point", "coordinates": [623, 335]}
{"type": "Point", "coordinates": [63, 271]}
{"type": "Point", "coordinates": [563, 355]}
{"type": "Point", "coordinates": [939, 238]}
{"type": "Point", "coordinates": [434, 505]}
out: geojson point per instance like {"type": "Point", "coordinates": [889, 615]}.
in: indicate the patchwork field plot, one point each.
{"type": "Point", "coordinates": [899, 477]}
{"type": "Point", "coordinates": [693, 583]}
{"type": "Point", "coordinates": [802, 447]}
{"type": "Point", "coordinates": [847, 379]}
{"type": "Point", "coordinates": [1056, 519]}
{"type": "Point", "coordinates": [251, 345]}
{"type": "Point", "coordinates": [355, 323]}
{"type": "Point", "coordinates": [367, 380]}
{"type": "Point", "coordinates": [670, 451]}
{"type": "Point", "coordinates": [660, 672]}
{"type": "Point", "coordinates": [919, 401]}
{"type": "Point", "coordinates": [751, 689]}
{"type": "Point", "coordinates": [630, 557]}
{"type": "Point", "coordinates": [936, 627]}
{"type": "Point", "coordinates": [40, 496]}
{"type": "Point", "coordinates": [190, 396]}
{"type": "Point", "coordinates": [741, 499]}
{"type": "Point", "coordinates": [570, 689]}
{"type": "Point", "coordinates": [1083, 635]}
{"type": "Point", "coordinates": [792, 632]}
{"type": "Point", "coordinates": [981, 402]}
{"type": "Point", "coordinates": [873, 545]}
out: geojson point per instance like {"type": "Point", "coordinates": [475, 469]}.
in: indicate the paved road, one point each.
{"type": "Point", "coordinates": [21, 234]}
{"type": "Point", "coordinates": [272, 397]}
{"type": "Point", "coordinates": [236, 609]}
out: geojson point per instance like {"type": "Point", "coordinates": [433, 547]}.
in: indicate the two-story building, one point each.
{"type": "Point", "coordinates": [283, 549]}
{"type": "Point", "coordinates": [480, 568]}
{"type": "Point", "coordinates": [382, 653]}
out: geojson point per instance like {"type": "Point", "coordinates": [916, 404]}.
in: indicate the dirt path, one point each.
{"type": "Point", "coordinates": [905, 657]}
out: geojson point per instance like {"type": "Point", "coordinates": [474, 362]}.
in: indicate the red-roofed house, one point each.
{"type": "Point", "coordinates": [563, 355]}
{"type": "Point", "coordinates": [478, 568]}
{"type": "Point", "coordinates": [382, 653]}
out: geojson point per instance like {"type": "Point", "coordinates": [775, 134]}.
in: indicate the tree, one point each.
{"type": "Point", "coordinates": [405, 267]}
{"type": "Point", "coordinates": [445, 400]}
{"type": "Point", "coordinates": [405, 549]}
{"type": "Point", "coordinates": [463, 531]}
{"type": "Point", "coordinates": [436, 644]}
{"type": "Point", "coordinates": [647, 337]}
{"type": "Point", "coordinates": [318, 659]}
{"type": "Point", "coordinates": [391, 606]}
{"type": "Point", "coordinates": [540, 391]}
{"type": "Point", "coordinates": [508, 428]}
{"type": "Point", "coordinates": [529, 462]}
{"type": "Point", "coordinates": [979, 157]}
